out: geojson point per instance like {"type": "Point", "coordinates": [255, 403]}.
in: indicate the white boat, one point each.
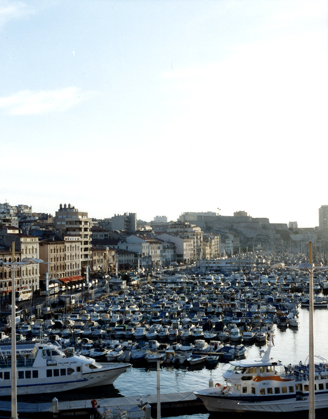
{"type": "Point", "coordinates": [113, 355]}
{"type": "Point", "coordinates": [45, 368]}
{"type": "Point", "coordinates": [155, 356]}
{"type": "Point", "coordinates": [140, 333]}
{"type": "Point", "coordinates": [235, 335]}
{"type": "Point", "coordinates": [195, 359]}
{"type": "Point", "coordinates": [266, 385]}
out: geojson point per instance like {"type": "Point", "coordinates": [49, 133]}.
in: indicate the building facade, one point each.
{"type": "Point", "coordinates": [69, 221]}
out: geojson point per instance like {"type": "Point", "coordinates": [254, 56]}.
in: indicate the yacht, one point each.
{"type": "Point", "coordinates": [45, 368]}
{"type": "Point", "coordinates": [266, 385]}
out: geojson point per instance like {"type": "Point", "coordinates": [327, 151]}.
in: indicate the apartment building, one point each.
{"type": "Point", "coordinates": [69, 221]}
{"type": "Point", "coordinates": [27, 277]}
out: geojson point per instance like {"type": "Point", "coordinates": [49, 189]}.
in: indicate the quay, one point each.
{"type": "Point", "coordinates": [133, 407]}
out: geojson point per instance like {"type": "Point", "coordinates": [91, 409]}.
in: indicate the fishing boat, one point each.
{"type": "Point", "coordinates": [266, 385]}
{"type": "Point", "coordinates": [45, 368]}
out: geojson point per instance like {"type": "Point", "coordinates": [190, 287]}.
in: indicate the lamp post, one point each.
{"type": "Point", "coordinates": [310, 268]}
{"type": "Point", "coordinates": [14, 265]}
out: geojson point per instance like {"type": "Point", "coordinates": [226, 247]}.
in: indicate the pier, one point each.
{"type": "Point", "coordinates": [134, 406]}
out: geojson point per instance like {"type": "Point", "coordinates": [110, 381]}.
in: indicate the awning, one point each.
{"type": "Point", "coordinates": [72, 278]}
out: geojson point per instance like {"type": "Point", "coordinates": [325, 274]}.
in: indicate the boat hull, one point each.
{"type": "Point", "coordinates": [215, 402]}
{"type": "Point", "coordinates": [101, 377]}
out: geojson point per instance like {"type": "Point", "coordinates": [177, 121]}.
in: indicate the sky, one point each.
{"type": "Point", "coordinates": [160, 107]}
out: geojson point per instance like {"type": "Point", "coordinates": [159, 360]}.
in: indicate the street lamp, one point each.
{"type": "Point", "coordinates": [14, 265]}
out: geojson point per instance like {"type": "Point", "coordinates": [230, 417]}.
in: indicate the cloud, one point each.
{"type": "Point", "coordinates": [10, 10]}
{"type": "Point", "coordinates": [31, 103]}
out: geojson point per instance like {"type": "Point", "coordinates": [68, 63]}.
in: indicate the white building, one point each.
{"type": "Point", "coordinates": [184, 246]}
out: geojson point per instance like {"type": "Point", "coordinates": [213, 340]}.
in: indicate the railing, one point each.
{"type": "Point", "coordinates": [22, 362]}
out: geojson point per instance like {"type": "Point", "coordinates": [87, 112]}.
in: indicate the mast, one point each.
{"type": "Point", "coordinates": [311, 341]}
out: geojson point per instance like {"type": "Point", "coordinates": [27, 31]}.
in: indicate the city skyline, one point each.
{"type": "Point", "coordinates": [160, 108]}
{"type": "Point", "coordinates": [62, 206]}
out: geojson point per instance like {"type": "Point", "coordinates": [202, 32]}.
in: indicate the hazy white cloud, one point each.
{"type": "Point", "coordinates": [10, 10]}
{"type": "Point", "coordinates": [28, 102]}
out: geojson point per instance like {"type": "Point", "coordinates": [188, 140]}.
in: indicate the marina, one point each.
{"type": "Point", "coordinates": [193, 325]}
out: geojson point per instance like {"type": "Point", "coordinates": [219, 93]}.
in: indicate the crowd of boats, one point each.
{"type": "Point", "coordinates": [178, 318]}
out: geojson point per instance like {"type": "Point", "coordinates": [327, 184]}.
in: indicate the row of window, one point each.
{"type": "Point", "coordinates": [18, 282]}
{"type": "Point", "coordinates": [56, 372]}
{"type": "Point", "coordinates": [282, 390]}
{"type": "Point", "coordinates": [68, 248]}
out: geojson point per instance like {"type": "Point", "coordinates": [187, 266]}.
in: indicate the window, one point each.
{"type": "Point", "coordinates": [284, 389]}
{"type": "Point", "coordinates": [253, 390]}
{"type": "Point", "coordinates": [321, 387]}
{"type": "Point", "coordinates": [244, 390]}
{"type": "Point", "coordinates": [262, 391]}
{"type": "Point", "coordinates": [35, 373]}
{"type": "Point", "coordinates": [291, 389]}
{"type": "Point", "coordinates": [63, 371]}
{"type": "Point", "coordinates": [306, 387]}
{"type": "Point", "coordinates": [70, 371]}
{"type": "Point", "coordinates": [78, 369]}
{"type": "Point", "coordinates": [269, 390]}
{"type": "Point", "coordinates": [20, 375]}
{"type": "Point", "coordinates": [49, 373]}
{"type": "Point", "coordinates": [6, 375]}
{"type": "Point", "coordinates": [28, 374]}
{"type": "Point", "coordinates": [56, 373]}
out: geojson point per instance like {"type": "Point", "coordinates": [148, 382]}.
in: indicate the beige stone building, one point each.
{"type": "Point", "coordinates": [103, 259]}
{"type": "Point", "coordinates": [27, 277]}
{"type": "Point", "coordinates": [73, 250]}
{"type": "Point", "coordinates": [69, 221]}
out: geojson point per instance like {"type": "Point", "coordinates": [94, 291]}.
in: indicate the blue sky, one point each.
{"type": "Point", "coordinates": [165, 106]}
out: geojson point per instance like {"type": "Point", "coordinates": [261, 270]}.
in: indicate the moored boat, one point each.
{"type": "Point", "coordinates": [45, 368]}
{"type": "Point", "coordinates": [266, 385]}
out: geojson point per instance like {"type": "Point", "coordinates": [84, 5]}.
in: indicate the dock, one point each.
{"type": "Point", "coordinates": [134, 406]}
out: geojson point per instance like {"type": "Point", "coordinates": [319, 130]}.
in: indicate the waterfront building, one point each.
{"type": "Point", "coordinates": [28, 276]}
{"type": "Point", "coordinates": [168, 253]}
{"type": "Point", "coordinates": [126, 260]}
{"type": "Point", "coordinates": [69, 221]}
{"type": "Point", "coordinates": [184, 246]}
{"type": "Point", "coordinates": [149, 249]}
{"type": "Point", "coordinates": [52, 251]}
{"type": "Point", "coordinates": [73, 256]}
{"type": "Point", "coordinates": [211, 246]}
{"type": "Point", "coordinates": [187, 230]}
{"type": "Point", "coordinates": [230, 243]}
{"type": "Point", "coordinates": [99, 260]}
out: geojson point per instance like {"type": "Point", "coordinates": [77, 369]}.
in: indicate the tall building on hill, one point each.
{"type": "Point", "coordinates": [323, 217]}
